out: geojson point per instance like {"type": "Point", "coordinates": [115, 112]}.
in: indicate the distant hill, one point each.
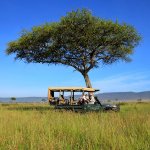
{"type": "Point", "coordinates": [120, 96]}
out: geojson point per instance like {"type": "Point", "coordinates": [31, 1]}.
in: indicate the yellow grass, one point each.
{"type": "Point", "coordinates": [40, 127]}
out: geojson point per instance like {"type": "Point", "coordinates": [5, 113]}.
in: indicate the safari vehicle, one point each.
{"type": "Point", "coordinates": [71, 103]}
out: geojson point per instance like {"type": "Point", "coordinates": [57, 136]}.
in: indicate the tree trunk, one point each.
{"type": "Point", "coordinates": [87, 81]}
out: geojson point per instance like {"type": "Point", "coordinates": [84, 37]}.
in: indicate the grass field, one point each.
{"type": "Point", "coordinates": [40, 127]}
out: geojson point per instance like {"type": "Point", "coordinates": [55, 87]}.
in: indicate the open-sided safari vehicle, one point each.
{"type": "Point", "coordinates": [71, 102]}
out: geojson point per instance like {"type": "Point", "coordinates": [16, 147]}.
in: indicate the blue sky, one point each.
{"type": "Point", "coordinates": [20, 79]}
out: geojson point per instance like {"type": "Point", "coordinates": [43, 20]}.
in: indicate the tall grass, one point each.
{"type": "Point", "coordinates": [38, 126]}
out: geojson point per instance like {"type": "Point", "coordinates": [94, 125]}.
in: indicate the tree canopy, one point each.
{"type": "Point", "coordinates": [79, 40]}
{"type": "Point", "coordinates": [13, 98]}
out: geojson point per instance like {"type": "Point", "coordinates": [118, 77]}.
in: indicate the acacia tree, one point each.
{"type": "Point", "coordinates": [79, 40]}
{"type": "Point", "coordinates": [13, 98]}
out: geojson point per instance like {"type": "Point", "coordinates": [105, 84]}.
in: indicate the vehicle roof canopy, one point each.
{"type": "Point", "coordinates": [75, 89]}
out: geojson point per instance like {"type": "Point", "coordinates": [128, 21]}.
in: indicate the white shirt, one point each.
{"type": "Point", "coordinates": [92, 100]}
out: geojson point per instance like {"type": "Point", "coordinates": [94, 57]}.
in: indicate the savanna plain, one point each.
{"type": "Point", "coordinates": [38, 126]}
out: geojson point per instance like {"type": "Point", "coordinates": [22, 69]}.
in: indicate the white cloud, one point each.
{"type": "Point", "coordinates": [137, 81]}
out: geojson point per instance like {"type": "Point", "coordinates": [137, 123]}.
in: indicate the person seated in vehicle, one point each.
{"type": "Point", "coordinates": [80, 101]}
{"type": "Point", "coordinates": [61, 99]}
{"type": "Point", "coordinates": [86, 100]}
{"type": "Point", "coordinates": [91, 99]}
{"type": "Point", "coordinates": [83, 99]}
